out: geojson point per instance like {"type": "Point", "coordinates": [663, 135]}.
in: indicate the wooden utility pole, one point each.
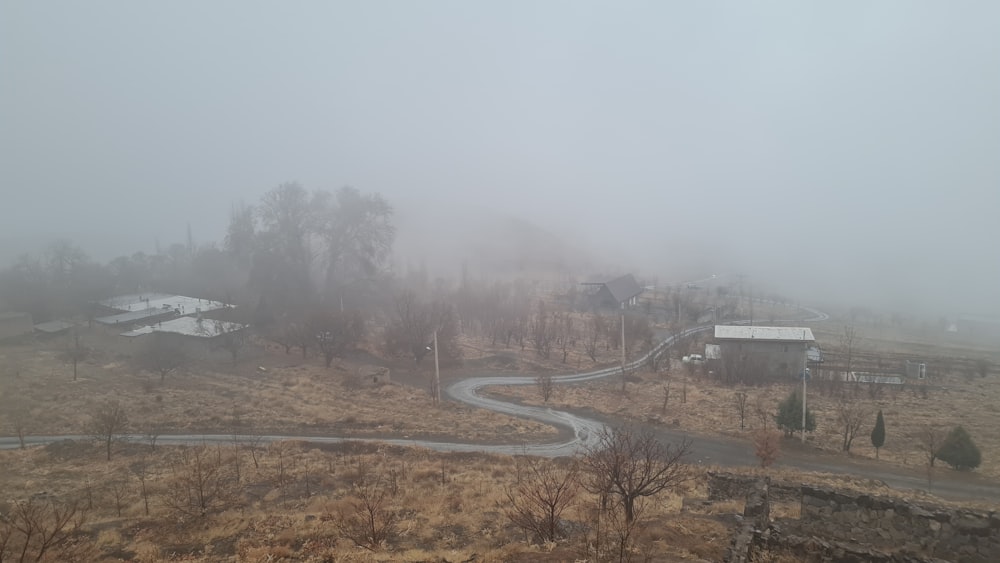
{"type": "Point", "coordinates": [437, 371]}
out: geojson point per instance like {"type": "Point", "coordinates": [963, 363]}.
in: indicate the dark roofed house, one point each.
{"type": "Point", "coordinates": [617, 292]}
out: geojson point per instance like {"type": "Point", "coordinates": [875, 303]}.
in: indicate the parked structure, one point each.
{"type": "Point", "coordinates": [772, 350]}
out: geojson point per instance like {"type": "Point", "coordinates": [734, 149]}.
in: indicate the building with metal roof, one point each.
{"type": "Point", "coordinates": [621, 291]}
{"type": "Point", "coordinates": [764, 352]}
{"type": "Point", "coordinates": [766, 333]}
{"type": "Point", "coordinates": [188, 326]}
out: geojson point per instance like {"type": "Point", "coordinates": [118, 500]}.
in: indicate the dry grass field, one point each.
{"type": "Point", "coordinates": [292, 501]}
{"type": "Point", "coordinates": [293, 504]}
{"type": "Point", "coordinates": [269, 391]}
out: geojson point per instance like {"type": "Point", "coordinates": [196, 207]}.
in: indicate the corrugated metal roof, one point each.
{"type": "Point", "coordinates": [773, 333]}
{"type": "Point", "coordinates": [189, 326]}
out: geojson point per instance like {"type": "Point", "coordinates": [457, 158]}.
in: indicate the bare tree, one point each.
{"type": "Point", "coordinates": [761, 412]}
{"type": "Point", "coordinates": [161, 356]}
{"type": "Point", "coordinates": [371, 521]}
{"type": "Point", "coordinates": [542, 333]}
{"type": "Point", "coordinates": [140, 470]}
{"type": "Point", "coordinates": [848, 341]}
{"type": "Point", "coordinates": [108, 423]}
{"type": "Point", "coordinates": [545, 386]}
{"type": "Point", "coordinates": [119, 490]}
{"type": "Point", "coordinates": [850, 416]}
{"type": "Point", "coordinates": [76, 353]}
{"type": "Point", "coordinates": [595, 329]}
{"type": "Point", "coordinates": [929, 440]}
{"type": "Point", "coordinates": [19, 417]}
{"type": "Point", "coordinates": [33, 529]}
{"type": "Point", "coordinates": [536, 503]}
{"type": "Point", "coordinates": [199, 482]}
{"type": "Point", "coordinates": [631, 464]}
{"type": "Point", "coordinates": [231, 337]}
{"type": "Point", "coordinates": [336, 332]}
{"type": "Point", "coordinates": [740, 404]}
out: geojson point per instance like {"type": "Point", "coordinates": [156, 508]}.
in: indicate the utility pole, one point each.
{"type": "Point", "coordinates": [805, 377]}
{"type": "Point", "coordinates": [623, 335]}
{"type": "Point", "coordinates": [437, 372]}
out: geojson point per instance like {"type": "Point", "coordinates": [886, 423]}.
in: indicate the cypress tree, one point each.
{"type": "Point", "coordinates": [878, 433]}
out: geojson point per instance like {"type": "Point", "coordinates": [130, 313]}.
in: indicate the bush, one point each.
{"type": "Point", "coordinates": [789, 417]}
{"type": "Point", "coordinates": [959, 451]}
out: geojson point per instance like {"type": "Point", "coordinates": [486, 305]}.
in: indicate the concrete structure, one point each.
{"type": "Point", "coordinates": [14, 324]}
{"type": "Point", "coordinates": [772, 350]}
{"type": "Point", "coordinates": [622, 290]}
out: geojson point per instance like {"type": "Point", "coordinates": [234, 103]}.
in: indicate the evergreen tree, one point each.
{"type": "Point", "coordinates": [789, 417]}
{"type": "Point", "coordinates": [878, 433]}
{"type": "Point", "coordinates": [959, 451]}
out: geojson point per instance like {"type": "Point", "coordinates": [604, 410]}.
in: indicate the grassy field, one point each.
{"type": "Point", "coordinates": [268, 390]}
{"type": "Point", "coordinates": [291, 501]}
{"type": "Point", "coordinates": [291, 506]}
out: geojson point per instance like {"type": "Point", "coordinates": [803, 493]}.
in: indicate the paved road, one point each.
{"type": "Point", "coordinates": [583, 430]}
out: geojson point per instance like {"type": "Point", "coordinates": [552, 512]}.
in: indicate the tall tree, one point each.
{"type": "Point", "coordinates": [241, 234]}
{"type": "Point", "coordinates": [358, 233]}
{"type": "Point", "coordinates": [108, 423]}
{"type": "Point", "coordinates": [878, 433]}
{"type": "Point", "coordinates": [631, 464]}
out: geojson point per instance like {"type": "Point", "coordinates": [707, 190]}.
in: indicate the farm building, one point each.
{"type": "Point", "coordinates": [772, 350]}
{"type": "Point", "coordinates": [617, 293]}
{"type": "Point", "coordinates": [14, 324]}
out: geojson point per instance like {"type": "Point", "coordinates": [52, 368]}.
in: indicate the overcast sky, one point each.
{"type": "Point", "coordinates": [837, 148]}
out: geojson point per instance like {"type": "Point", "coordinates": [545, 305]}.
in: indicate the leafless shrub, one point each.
{"type": "Point", "coordinates": [766, 446]}
{"type": "Point", "coordinates": [370, 522]}
{"type": "Point", "coordinates": [545, 387]}
{"type": "Point", "coordinates": [544, 491]}
{"type": "Point", "coordinates": [199, 483]}
{"type": "Point", "coordinates": [850, 416]}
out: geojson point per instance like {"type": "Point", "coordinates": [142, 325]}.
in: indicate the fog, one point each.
{"type": "Point", "coordinates": [844, 152]}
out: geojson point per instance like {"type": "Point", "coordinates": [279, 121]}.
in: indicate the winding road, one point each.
{"type": "Point", "coordinates": [584, 431]}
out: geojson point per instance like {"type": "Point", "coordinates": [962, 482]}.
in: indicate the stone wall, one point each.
{"type": "Point", "coordinates": [884, 522]}
{"type": "Point", "coordinates": [730, 486]}
{"type": "Point", "coordinates": [842, 527]}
